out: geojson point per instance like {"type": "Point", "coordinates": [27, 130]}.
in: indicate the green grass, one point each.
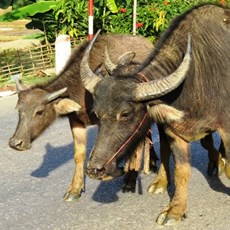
{"type": "Point", "coordinates": [39, 36]}
{"type": "Point", "coordinates": [31, 80]}
{"type": "Point", "coordinates": [28, 80]}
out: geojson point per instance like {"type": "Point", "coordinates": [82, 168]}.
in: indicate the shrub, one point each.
{"type": "Point", "coordinates": [152, 19]}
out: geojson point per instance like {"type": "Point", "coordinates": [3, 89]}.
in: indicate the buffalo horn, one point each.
{"type": "Point", "coordinates": [160, 87]}
{"type": "Point", "coordinates": [52, 96]}
{"type": "Point", "coordinates": [124, 59]}
{"type": "Point", "coordinates": [109, 65]}
{"type": "Point", "coordinates": [19, 85]}
{"type": "Point", "coordinates": [88, 77]}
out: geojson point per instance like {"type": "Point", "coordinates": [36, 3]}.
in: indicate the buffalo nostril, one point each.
{"type": "Point", "coordinates": [99, 172]}
{"type": "Point", "coordinates": [15, 142]}
{"type": "Point", "coordinates": [93, 172]}
{"type": "Point", "coordinates": [94, 166]}
{"type": "Point", "coordinates": [18, 143]}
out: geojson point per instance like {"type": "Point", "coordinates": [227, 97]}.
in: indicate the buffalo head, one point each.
{"type": "Point", "coordinates": [37, 109]}
{"type": "Point", "coordinates": [121, 104]}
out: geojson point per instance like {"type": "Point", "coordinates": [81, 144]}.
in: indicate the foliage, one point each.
{"type": "Point", "coordinates": [38, 11]}
{"type": "Point", "coordinates": [72, 16]}
{"type": "Point", "coordinates": [153, 17]}
{"type": "Point", "coordinates": [27, 11]}
{"type": "Point", "coordinates": [112, 16]}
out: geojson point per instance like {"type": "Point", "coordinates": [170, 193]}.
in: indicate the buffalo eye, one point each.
{"type": "Point", "coordinates": [39, 113]}
{"type": "Point", "coordinates": [125, 116]}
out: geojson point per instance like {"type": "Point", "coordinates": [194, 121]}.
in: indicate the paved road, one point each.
{"type": "Point", "coordinates": [33, 182]}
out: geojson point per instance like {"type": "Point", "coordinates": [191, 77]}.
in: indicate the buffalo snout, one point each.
{"type": "Point", "coordinates": [106, 172]}
{"type": "Point", "coordinates": [19, 144]}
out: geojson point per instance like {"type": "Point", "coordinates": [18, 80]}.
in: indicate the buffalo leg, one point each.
{"type": "Point", "coordinates": [160, 183]}
{"type": "Point", "coordinates": [216, 163]}
{"type": "Point", "coordinates": [77, 184]}
{"type": "Point", "coordinates": [176, 209]}
{"type": "Point", "coordinates": [130, 181]}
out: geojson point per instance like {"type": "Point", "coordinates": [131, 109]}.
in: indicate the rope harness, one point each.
{"type": "Point", "coordinates": [135, 132]}
{"type": "Point", "coordinates": [127, 141]}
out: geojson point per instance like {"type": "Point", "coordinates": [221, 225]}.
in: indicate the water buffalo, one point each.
{"type": "Point", "coordinates": [39, 105]}
{"type": "Point", "coordinates": [184, 90]}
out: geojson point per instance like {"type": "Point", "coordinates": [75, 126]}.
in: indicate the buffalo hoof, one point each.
{"type": "Point", "coordinates": [221, 166]}
{"type": "Point", "coordinates": [227, 170]}
{"type": "Point", "coordinates": [167, 220]}
{"type": "Point", "coordinates": [129, 181]}
{"type": "Point", "coordinates": [157, 187]}
{"type": "Point", "coordinates": [70, 197]}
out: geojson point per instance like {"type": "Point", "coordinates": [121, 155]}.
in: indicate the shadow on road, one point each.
{"type": "Point", "coordinates": [53, 158]}
{"type": "Point", "coordinates": [106, 192]}
{"type": "Point", "coordinates": [57, 156]}
{"type": "Point", "coordinates": [200, 162]}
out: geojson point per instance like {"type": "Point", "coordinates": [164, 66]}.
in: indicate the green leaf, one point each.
{"type": "Point", "coordinates": [27, 11]}
{"type": "Point", "coordinates": [112, 6]}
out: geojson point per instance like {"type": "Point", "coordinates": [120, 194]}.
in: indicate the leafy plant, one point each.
{"type": "Point", "coordinates": [28, 11]}
{"type": "Point", "coordinates": [72, 16]}
{"type": "Point", "coordinates": [112, 16]}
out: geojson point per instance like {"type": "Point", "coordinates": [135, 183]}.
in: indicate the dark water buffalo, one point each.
{"type": "Point", "coordinates": [40, 105]}
{"type": "Point", "coordinates": [184, 90]}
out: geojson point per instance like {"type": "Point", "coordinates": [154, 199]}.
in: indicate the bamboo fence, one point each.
{"type": "Point", "coordinates": [28, 61]}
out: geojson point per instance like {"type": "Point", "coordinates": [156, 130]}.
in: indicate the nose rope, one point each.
{"type": "Point", "coordinates": [144, 78]}
{"type": "Point", "coordinates": [91, 152]}
{"type": "Point", "coordinates": [130, 138]}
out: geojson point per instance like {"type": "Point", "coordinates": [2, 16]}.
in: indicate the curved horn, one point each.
{"type": "Point", "coordinates": [124, 59]}
{"type": "Point", "coordinates": [52, 96]}
{"type": "Point", "coordinates": [88, 77]}
{"type": "Point", "coordinates": [19, 85]}
{"type": "Point", "coordinates": [160, 87]}
{"type": "Point", "coordinates": [109, 65]}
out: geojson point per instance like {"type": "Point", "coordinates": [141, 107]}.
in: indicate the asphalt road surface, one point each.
{"type": "Point", "coordinates": [33, 182]}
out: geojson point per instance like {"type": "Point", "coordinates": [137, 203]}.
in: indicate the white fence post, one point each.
{"type": "Point", "coordinates": [62, 52]}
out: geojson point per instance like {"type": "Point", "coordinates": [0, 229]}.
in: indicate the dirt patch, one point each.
{"type": "Point", "coordinates": [17, 33]}
{"type": "Point", "coordinates": [12, 36]}
{"type": "Point", "coordinates": [19, 44]}
{"type": "Point", "coordinates": [8, 88]}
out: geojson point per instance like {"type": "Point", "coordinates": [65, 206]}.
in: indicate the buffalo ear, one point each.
{"type": "Point", "coordinates": [163, 113]}
{"type": "Point", "coordinates": [126, 58]}
{"type": "Point", "coordinates": [65, 106]}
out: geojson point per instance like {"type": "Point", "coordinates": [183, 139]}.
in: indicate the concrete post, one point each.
{"type": "Point", "coordinates": [62, 52]}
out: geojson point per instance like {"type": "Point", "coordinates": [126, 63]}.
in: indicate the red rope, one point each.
{"type": "Point", "coordinates": [143, 76]}
{"type": "Point", "coordinates": [130, 138]}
